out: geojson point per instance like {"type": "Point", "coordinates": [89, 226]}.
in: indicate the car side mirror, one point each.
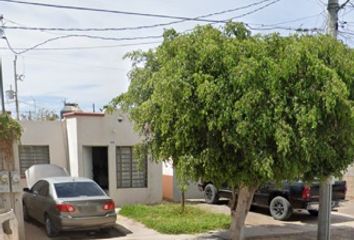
{"type": "Point", "coordinates": [26, 189]}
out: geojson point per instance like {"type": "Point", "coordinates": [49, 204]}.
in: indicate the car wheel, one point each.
{"type": "Point", "coordinates": [26, 216]}
{"type": "Point", "coordinates": [280, 208]}
{"type": "Point", "coordinates": [50, 228]}
{"type": "Point", "coordinates": [313, 213]}
{"type": "Point", "coordinates": [211, 194]}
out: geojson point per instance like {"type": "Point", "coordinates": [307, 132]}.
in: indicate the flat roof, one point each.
{"type": "Point", "coordinates": [83, 114]}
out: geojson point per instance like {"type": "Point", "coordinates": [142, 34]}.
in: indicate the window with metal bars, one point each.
{"type": "Point", "coordinates": [31, 155]}
{"type": "Point", "coordinates": [130, 173]}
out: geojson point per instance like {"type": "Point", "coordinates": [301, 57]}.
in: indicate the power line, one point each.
{"type": "Point", "coordinates": [89, 47]}
{"type": "Point", "coordinates": [266, 28]}
{"type": "Point", "coordinates": [23, 50]}
{"type": "Point", "coordinates": [262, 28]}
{"type": "Point", "coordinates": [255, 10]}
{"type": "Point", "coordinates": [112, 11]}
{"type": "Point", "coordinates": [139, 27]}
{"type": "Point", "coordinates": [242, 15]}
{"type": "Point", "coordinates": [290, 21]}
{"type": "Point", "coordinates": [348, 33]}
{"type": "Point", "coordinates": [77, 35]}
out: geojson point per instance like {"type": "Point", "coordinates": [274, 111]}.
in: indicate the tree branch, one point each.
{"type": "Point", "coordinates": [344, 4]}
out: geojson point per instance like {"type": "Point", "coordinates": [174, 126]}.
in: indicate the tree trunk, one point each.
{"type": "Point", "coordinates": [183, 201]}
{"type": "Point", "coordinates": [239, 214]}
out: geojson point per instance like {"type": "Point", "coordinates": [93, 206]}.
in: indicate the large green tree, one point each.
{"type": "Point", "coordinates": [245, 109]}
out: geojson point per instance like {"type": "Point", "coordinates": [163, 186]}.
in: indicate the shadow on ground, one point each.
{"type": "Point", "coordinates": [35, 231]}
{"type": "Point", "coordinates": [301, 226]}
{"type": "Point", "coordinates": [299, 215]}
{"type": "Point", "coordinates": [337, 233]}
{"type": "Point", "coordinates": [304, 217]}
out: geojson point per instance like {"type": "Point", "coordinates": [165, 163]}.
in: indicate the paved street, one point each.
{"type": "Point", "coordinates": [35, 231]}
{"type": "Point", "coordinates": [259, 225]}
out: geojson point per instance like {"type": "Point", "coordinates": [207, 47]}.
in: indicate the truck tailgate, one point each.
{"type": "Point", "coordinates": [339, 189]}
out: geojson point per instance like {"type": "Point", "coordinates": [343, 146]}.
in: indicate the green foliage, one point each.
{"type": "Point", "coordinates": [245, 109]}
{"type": "Point", "coordinates": [184, 172]}
{"type": "Point", "coordinates": [167, 218]}
{"type": "Point", "coordinates": [10, 129]}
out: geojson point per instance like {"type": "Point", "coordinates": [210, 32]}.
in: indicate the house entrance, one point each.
{"type": "Point", "coordinates": [96, 165]}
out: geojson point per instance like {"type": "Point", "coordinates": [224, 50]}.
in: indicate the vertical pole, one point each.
{"type": "Point", "coordinates": [332, 27]}
{"type": "Point", "coordinates": [16, 89]}
{"type": "Point", "coordinates": [2, 90]}
{"type": "Point", "coordinates": [324, 217]}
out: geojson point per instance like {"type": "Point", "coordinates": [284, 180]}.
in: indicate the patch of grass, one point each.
{"type": "Point", "coordinates": [167, 218]}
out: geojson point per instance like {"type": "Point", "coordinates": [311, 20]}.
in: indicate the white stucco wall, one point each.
{"type": "Point", "coordinates": [110, 131]}
{"type": "Point", "coordinates": [73, 151]}
{"type": "Point", "coordinates": [70, 144]}
{"type": "Point", "coordinates": [50, 133]}
{"type": "Point", "coordinates": [46, 133]}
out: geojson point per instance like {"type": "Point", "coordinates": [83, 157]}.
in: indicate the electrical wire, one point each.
{"type": "Point", "coordinates": [348, 33]}
{"type": "Point", "coordinates": [284, 28]}
{"type": "Point", "coordinates": [138, 27]}
{"type": "Point", "coordinates": [112, 11]}
{"type": "Point", "coordinates": [255, 10]}
{"type": "Point", "coordinates": [290, 21]}
{"type": "Point", "coordinates": [89, 47]}
{"type": "Point", "coordinates": [242, 15]}
{"type": "Point", "coordinates": [262, 28]}
{"type": "Point", "coordinates": [76, 35]}
{"type": "Point", "coordinates": [24, 50]}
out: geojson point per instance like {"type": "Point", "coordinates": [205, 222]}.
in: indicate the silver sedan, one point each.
{"type": "Point", "coordinates": [68, 203]}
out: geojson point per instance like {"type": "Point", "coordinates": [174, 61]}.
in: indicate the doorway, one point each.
{"type": "Point", "coordinates": [96, 165]}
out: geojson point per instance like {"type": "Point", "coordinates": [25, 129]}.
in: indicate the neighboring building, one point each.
{"type": "Point", "coordinates": [171, 190]}
{"type": "Point", "coordinates": [97, 146]}
{"type": "Point", "coordinates": [349, 177]}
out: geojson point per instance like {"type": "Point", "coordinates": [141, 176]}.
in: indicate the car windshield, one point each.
{"type": "Point", "coordinates": [77, 189]}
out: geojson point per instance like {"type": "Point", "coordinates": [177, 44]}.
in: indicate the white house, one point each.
{"type": "Point", "coordinates": [97, 146]}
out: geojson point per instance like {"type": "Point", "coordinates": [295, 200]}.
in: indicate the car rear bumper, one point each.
{"type": "Point", "coordinates": [82, 223]}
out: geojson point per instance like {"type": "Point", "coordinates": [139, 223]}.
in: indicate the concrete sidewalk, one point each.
{"type": "Point", "coordinates": [259, 225]}
{"type": "Point", "coordinates": [342, 229]}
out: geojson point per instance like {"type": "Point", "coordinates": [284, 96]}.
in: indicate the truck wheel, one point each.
{"type": "Point", "coordinates": [280, 208]}
{"type": "Point", "coordinates": [313, 213]}
{"type": "Point", "coordinates": [211, 194]}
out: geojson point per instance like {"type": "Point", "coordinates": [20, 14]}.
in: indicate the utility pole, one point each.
{"type": "Point", "coordinates": [325, 207]}
{"type": "Point", "coordinates": [16, 89]}
{"type": "Point", "coordinates": [2, 90]}
{"type": "Point", "coordinates": [332, 26]}
{"type": "Point", "coordinates": [1, 80]}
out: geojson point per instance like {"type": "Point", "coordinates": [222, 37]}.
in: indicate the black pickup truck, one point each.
{"type": "Point", "coordinates": [281, 200]}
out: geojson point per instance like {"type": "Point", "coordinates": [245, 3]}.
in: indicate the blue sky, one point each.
{"type": "Point", "coordinates": [97, 75]}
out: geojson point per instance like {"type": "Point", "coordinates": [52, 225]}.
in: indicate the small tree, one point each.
{"type": "Point", "coordinates": [10, 130]}
{"type": "Point", "coordinates": [184, 175]}
{"type": "Point", "coordinates": [247, 109]}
